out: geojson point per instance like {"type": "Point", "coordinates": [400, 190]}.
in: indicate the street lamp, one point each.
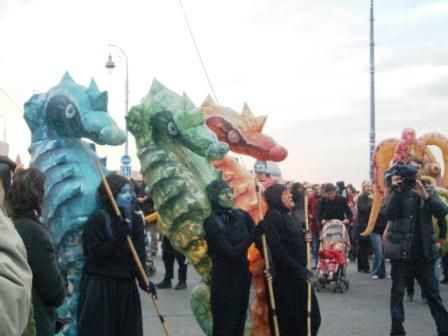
{"type": "Point", "coordinates": [110, 65]}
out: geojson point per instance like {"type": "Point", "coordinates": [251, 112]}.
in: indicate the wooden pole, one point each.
{"type": "Point", "coordinates": [132, 248]}
{"type": "Point", "coordinates": [267, 265]}
{"type": "Point", "coordinates": [308, 264]}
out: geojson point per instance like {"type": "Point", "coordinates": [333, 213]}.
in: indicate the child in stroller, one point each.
{"type": "Point", "coordinates": [335, 244]}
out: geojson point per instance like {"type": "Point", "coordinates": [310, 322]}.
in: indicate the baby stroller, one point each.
{"type": "Point", "coordinates": [331, 266]}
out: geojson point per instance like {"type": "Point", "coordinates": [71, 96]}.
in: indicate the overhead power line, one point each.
{"type": "Point", "coordinates": [197, 51]}
{"type": "Point", "coordinates": [11, 100]}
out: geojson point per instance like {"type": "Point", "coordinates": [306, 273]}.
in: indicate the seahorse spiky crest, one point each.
{"type": "Point", "coordinates": [208, 101]}
{"type": "Point", "coordinates": [246, 113]}
{"type": "Point", "coordinates": [189, 105]}
{"type": "Point", "coordinates": [93, 90]}
{"type": "Point", "coordinates": [97, 98]}
{"type": "Point", "coordinates": [249, 122]}
{"type": "Point", "coordinates": [66, 79]}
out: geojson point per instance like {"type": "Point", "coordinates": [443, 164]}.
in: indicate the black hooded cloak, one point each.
{"type": "Point", "coordinates": [109, 302]}
{"type": "Point", "coordinates": [287, 246]}
{"type": "Point", "coordinates": [229, 233]}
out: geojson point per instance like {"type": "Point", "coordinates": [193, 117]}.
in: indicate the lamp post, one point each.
{"type": "Point", "coordinates": [110, 64]}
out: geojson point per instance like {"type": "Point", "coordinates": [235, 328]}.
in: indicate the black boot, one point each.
{"type": "Point", "coordinates": [181, 285]}
{"type": "Point", "coordinates": [165, 283]}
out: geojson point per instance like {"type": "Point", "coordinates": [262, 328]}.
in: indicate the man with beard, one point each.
{"type": "Point", "coordinates": [286, 241]}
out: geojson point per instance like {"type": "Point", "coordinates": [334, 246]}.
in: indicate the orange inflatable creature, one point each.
{"type": "Point", "coordinates": [392, 151]}
{"type": "Point", "coordinates": [243, 133]}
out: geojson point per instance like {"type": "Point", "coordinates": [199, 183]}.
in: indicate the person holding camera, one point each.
{"type": "Point", "coordinates": [410, 241]}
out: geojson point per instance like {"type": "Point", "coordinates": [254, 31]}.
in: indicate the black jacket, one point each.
{"type": "Point", "coordinates": [364, 205]}
{"type": "Point", "coordinates": [105, 246]}
{"type": "Point", "coordinates": [406, 211]}
{"type": "Point", "coordinates": [333, 209]}
{"type": "Point", "coordinates": [229, 235]}
{"type": "Point", "coordinates": [286, 243]}
{"type": "Point", "coordinates": [49, 286]}
{"type": "Point", "coordinates": [229, 232]}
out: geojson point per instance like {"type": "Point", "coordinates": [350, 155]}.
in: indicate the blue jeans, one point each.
{"type": "Point", "coordinates": [378, 267]}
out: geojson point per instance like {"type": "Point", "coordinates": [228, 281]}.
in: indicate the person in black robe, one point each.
{"type": "Point", "coordinates": [109, 303]}
{"type": "Point", "coordinates": [229, 233]}
{"type": "Point", "coordinates": [287, 246]}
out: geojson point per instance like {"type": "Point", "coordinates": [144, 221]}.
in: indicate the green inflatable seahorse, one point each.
{"type": "Point", "coordinates": [174, 147]}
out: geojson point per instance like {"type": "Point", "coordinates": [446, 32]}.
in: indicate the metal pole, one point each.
{"type": "Point", "coordinates": [309, 289]}
{"type": "Point", "coordinates": [372, 94]}
{"type": "Point", "coordinates": [266, 261]}
{"type": "Point", "coordinates": [126, 97]}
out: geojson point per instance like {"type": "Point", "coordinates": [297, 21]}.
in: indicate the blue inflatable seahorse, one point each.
{"type": "Point", "coordinates": [58, 120]}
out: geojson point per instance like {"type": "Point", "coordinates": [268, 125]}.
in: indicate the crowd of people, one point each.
{"type": "Point", "coordinates": [109, 301]}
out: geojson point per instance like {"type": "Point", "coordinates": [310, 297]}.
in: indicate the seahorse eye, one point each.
{"type": "Point", "coordinates": [70, 111]}
{"type": "Point", "coordinates": [172, 128]}
{"type": "Point", "coordinates": [233, 136]}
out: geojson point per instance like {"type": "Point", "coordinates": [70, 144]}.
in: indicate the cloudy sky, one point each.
{"type": "Point", "coordinates": [305, 64]}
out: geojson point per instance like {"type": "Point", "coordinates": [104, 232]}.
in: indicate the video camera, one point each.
{"type": "Point", "coordinates": [407, 173]}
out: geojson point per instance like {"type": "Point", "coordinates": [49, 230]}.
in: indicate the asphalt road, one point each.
{"type": "Point", "coordinates": [363, 310]}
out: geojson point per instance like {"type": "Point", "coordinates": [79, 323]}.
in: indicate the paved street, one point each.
{"type": "Point", "coordinates": [361, 311]}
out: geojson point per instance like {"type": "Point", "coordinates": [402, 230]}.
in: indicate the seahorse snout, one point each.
{"type": "Point", "coordinates": [217, 151]}
{"type": "Point", "coordinates": [112, 135]}
{"type": "Point", "coordinates": [277, 153]}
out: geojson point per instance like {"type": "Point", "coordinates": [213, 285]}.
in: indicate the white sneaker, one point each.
{"type": "Point", "coordinates": [375, 277]}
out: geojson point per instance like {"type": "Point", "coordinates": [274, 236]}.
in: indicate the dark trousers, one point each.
{"type": "Point", "coordinates": [353, 243]}
{"type": "Point", "coordinates": [291, 296]}
{"type": "Point", "coordinates": [363, 254]}
{"type": "Point", "coordinates": [423, 271]}
{"type": "Point", "coordinates": [410, 285]}
{"type": "Point", "coordinates": [229, 299]}
{"type": "Point", "coordinates": [169, 254]}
